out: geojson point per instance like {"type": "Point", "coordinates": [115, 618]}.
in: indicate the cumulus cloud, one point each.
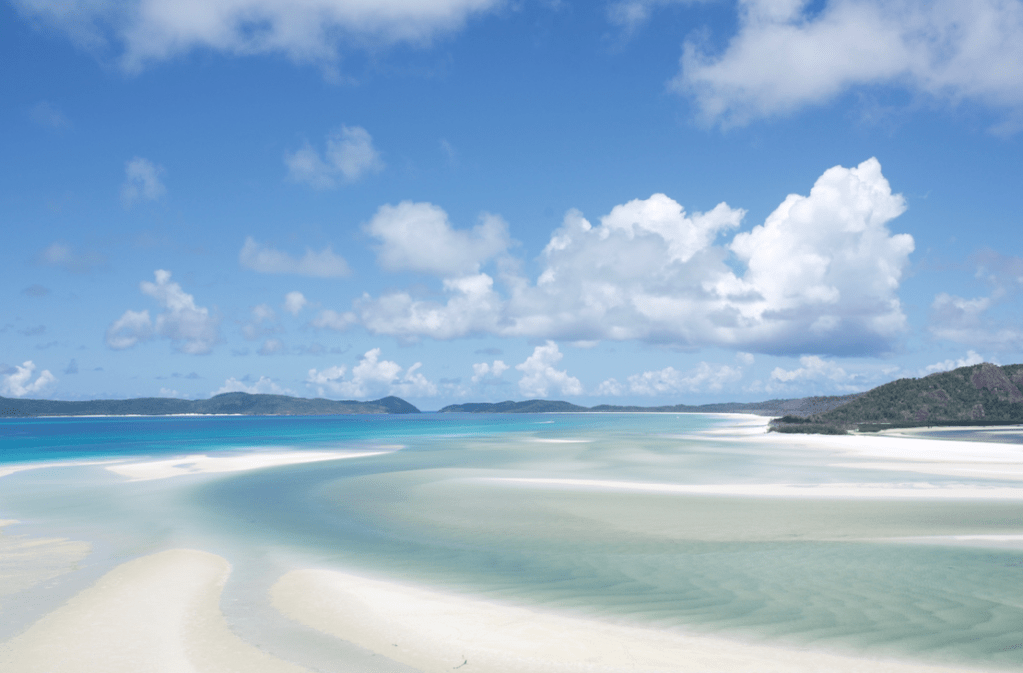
{"type": "Point", "coordinates": [19, 383]}
{"type": "Point", "coordinates": [294, 302]}
{"type": "Point", "coordinates": [821, 275]}
{"type": "Point", "coordinates": [191, 328]}
{"type": "Point", "coordinates": [482, 370]}
{"type": "Point", "coordinates": [791, 54]}
{"type": "Point", "coordinates": [264, 259]}
{"type": "Point", "coordinates": [313, 31]}
{"type": "Point", "coordinates": [539, 375]}
{"type": "Point", "coordinates": [705, 377]}
{"type": "Point", "coordinates": [419, 237]}
{"type": "Point", "coordinates": [264, 386]}
{"type": "Point", "coordinates": [61, 254]}
{"type": "Point", "coordinates": [350, 154]}
{"type": "Point", "coordinates": [971, 358]}
{"type": "Point", "coordinates": [141, 182]}
{"type": "Point", "coordinates": [371, 377]}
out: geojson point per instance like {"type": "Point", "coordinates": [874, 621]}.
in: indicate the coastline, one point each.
{"type": "Point", "coordinates": [160, 611]}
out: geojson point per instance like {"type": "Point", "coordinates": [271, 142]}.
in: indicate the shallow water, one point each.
{"type": "Point", "coordinates": [876, 577]}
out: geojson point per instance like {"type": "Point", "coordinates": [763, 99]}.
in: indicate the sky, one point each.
{"type": "Point", "coordinates": [611, 202]}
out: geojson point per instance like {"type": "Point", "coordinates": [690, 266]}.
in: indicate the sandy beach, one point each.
{"type": "Point", "coordinates": [162, 611]}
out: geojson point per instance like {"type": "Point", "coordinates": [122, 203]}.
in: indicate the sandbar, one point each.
{"type": "Point", "coordinates": [202, 464]}
{"type": "Point", "coordinates": [438, 632]}
{"type": "Point", "coordinates": [158, 613]}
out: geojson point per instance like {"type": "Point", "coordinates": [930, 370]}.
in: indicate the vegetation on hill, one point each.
{"type": "Point", "coordinates": [225, 404]}
{"type": "Point", "coordinates": [796, 407]}
{"type": "Point", "coordinates": [983, 394]}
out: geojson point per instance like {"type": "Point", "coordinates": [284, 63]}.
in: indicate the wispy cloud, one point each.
{"type": "Point", "coordinates": [142, 182]}
{"type": "Point", "coordinates": [349, 155]}
{"type": "Point", "coordinates": [264, 259]}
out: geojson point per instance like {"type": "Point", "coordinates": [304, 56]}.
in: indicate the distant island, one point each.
{"type": "Point", "coordinates": [226, 404]}
{"type": "Point", "coordinates": [983, 394]}
{"type": "Point", "coordinates": [804, 406]}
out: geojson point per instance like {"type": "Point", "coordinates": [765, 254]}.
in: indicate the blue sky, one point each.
{"type": "Point", "coordinates": [641, 202]}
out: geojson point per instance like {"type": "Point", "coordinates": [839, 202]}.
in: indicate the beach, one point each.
{"type": "Point", "coordinates": [661, 545]}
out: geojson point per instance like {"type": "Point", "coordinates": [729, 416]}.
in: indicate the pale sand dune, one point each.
{"type": "Point", "coordinates": [900, 491]}
{"type": "Point", "coordinates": [158, 613]}
{"type": "Point", "coordinates": [437, 632]}
{"type": "Point", "coordinates": [201, 463]}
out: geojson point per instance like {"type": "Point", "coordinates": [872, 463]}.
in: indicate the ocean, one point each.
{"type": "Point", "coordinates": [635, 519]}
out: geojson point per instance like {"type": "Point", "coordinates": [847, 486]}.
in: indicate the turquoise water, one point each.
{"type": "Point", "coordinates": [832, 574]}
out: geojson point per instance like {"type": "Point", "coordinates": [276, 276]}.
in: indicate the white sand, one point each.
{"type": "Point", "coordinates": [11, 468]}
{"type": "Point", "coordinates": [158, 613]}
{"type": "Point", "coordinates": [901, 491]}
{"type": "Point", "coordinates": [201, 464]}
{"type": "Point", "coordinates": [26, 562]}
{"type": "Point", "coordinates": [437, 632]}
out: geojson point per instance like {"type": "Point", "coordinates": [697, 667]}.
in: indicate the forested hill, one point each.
{"type": "Point", "coordinates": [227, 403]}
{"type": "Point", "coordinates": [983, 394]}
{"type": "Point", "coordinates": [795, 407]}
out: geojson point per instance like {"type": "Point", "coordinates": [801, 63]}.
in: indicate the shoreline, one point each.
{"type": "Point", "coordinates": [164, 607]}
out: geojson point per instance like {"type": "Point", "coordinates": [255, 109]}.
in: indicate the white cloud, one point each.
{"type": "Point", "coordinates": [19, 382]}
{"type": "Point", "coordinates": [315, 30]}
{"type": "Point", "coordinates": [812, 368]}
{"type": "Point", "coordinates": [705, 377]}
{"type": "Point", "coordinates": [263, 322]}
{"type": "Point", "coordinates": [971, 358]}
{"type": "Point", "coordinates": [129, 329]}
{"type": "Point", "coordinates": [787, 55]}
{"type": "Point", "coordinates": [371, 377]}
{"type": "Point", "coordinates": [141, 182]}
{"type": "Point", "coordinates": [988, 322]}
{"type": "Point", "coordinates": [539, 374]}
{"type": "Point", "coordinates": [821, 275]}
{"type": "Point", "coordinates": [271, 347]}
{"type": "Point", "coordinates": [329, 319]}
{"type": "Point", "coordinates": [190, 327]}
{"type": "Point", "coordinates": [350, 154]}
{"type": "Point", "coordinates": [744, 358]}
{"type": "Point", "coordinates": [419, 237]}
{"type": "Point", "coordinates": [63, 255]}
{"type": "Point", "coordinates": [264, 386]}
{"type": "Point", "coordinates": [481, 370]}
{"type": "Point", "coordinates": [264, 259]}
{"type": "Point", "coordinates": [294, 302]}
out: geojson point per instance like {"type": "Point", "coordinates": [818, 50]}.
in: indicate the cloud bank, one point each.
{"type": "Point", "coordinates": [147, 31]}
{"type": "Point", "coordinates": [820, 275]}
{"type": "Point", "coordinates": [788, 55]}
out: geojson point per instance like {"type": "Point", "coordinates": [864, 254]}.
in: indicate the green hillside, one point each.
{"type": "Point", "coordinates": [983, 394]}
{"type": "Point", "coordinates": [796, 407]}
{"type": "Point", "coordinates": [227, 403]}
